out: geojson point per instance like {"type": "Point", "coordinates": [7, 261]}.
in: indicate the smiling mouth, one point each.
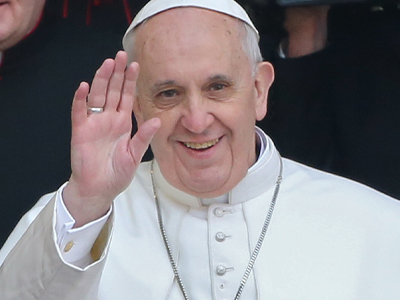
{"type": "Point", "coordinates": [201, 146]}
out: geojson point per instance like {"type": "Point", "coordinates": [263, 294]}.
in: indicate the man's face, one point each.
{"type": "Point", "coordinates": [17, 19]}
{"type": "Point", "coordinates": [196, 78]}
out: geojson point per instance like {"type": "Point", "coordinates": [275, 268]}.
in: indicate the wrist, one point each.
{"type": "Point", "coordinates": [84, 208]}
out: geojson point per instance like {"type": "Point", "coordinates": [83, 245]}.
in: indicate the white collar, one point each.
{"type": "Point", "coordinates": [260, 177]}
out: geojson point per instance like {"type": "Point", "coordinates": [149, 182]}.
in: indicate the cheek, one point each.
{"type": "Point", "coordinates": [242, 115]}
{"type": "Point", "coordinates": [165, 131]}
{"type": "Point", "coordinates": [161, 147]}
{"type": "Point", "coordinates": [25, 15]}
{"type": "Point", "coordinates": [143, 108]}
{"type": "Point", "coordinates": [241, 123]}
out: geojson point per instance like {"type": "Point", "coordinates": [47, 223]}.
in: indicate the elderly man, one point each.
{"type": "Point", "coordinates": [217, 214]}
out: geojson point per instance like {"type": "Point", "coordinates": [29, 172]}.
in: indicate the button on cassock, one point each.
{"type": "Point", "coordinates": [218, 212]}
{"type": "Point", "coordinates": [221, 270]}
{"type": "Point", "coordinates": [220, 236]}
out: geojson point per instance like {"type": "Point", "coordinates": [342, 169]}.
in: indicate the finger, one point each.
{"type": "Point", "coordinates": [129, 88]}
{"type": "Point", "coordinates": [141, 140]}
{"type": "Point", "coordinates": [98, 91]}
{"type": "Point", "coordinates": [116, 81]}
{"type": "Point", "coordinates": [78, 112]}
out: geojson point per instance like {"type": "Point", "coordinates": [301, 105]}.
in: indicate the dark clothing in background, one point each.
{"type": "Point", "coordinates": [339, 109]}
{"type": "Point", "coordinates": [38, 79]}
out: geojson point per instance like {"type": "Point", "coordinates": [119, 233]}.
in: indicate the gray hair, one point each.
{"type": "Point", "coordinates": [251, 47]}
{"type": "Point", "coordinates": [249, 39]}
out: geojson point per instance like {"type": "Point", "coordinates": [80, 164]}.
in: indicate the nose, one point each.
{"type": "Point", "coordinates": [196, 116]}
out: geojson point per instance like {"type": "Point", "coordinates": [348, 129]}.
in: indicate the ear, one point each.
{"type": "Point", "coordinates": [263, 81]}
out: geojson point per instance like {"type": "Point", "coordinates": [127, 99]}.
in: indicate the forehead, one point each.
{"type": "Point", "coordinates": [187, 26]}
{"type": "Point", "coordinates": [188, 40]}
{"type": "Point", "coordinates": [191, 15]}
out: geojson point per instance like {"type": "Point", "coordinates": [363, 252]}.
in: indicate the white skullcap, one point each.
{"type": "Point", "coordinates": [153, 7]}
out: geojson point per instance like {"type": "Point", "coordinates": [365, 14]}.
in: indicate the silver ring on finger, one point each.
{"type": "Point", "coordinates": [95, 110]}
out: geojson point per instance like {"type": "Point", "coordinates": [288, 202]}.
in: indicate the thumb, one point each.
{"type": "Point", "coordinates": [141, 140]}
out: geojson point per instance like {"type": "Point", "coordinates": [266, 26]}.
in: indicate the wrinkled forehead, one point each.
{"type": "Point", "coordinates": [187, 21]}
{"type": "Point", "coordinates": [186, 31]}
{"type": "Point", "coordinates": [155, 7]}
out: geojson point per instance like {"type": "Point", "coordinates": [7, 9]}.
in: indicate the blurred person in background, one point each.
{"type": "Point", "coordinates": [43, 57]}
{"type": "Point", "coordinates": [335, 102]}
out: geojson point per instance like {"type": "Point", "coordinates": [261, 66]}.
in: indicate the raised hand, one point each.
{"type": "Point", "coordinates": [104, 157]}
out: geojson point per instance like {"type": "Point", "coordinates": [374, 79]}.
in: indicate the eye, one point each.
{"type": "Point", "coordinates": [217, 86]}
{"type": "Point", "coordinates": [168, 98]}
{"type": "Point", "coordinates": [168, 93]}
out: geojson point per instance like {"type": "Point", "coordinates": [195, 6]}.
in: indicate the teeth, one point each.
{"type": "Point", "coordinates": [198, 146]}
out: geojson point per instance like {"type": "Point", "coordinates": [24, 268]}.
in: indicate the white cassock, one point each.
{"type": "Point", "coordinates": [329, 239]}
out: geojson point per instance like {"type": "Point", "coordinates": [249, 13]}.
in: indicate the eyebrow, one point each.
{"type": "Point", "coordinates": [219, 77]}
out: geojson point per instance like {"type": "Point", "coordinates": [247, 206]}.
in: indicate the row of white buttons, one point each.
{"type": "Point", "coordinates": [220, 237]}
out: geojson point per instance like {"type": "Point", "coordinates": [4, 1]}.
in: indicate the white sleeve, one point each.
{"type": "Point", "coordinates": [34, 267]}
{"type": "Point", "coordinates": [75, 243]}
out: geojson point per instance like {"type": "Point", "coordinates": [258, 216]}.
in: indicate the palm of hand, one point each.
{"type": "Point", "coordinates": [101, 156]}
{"type": "Point", "coordinates": [104, 157]}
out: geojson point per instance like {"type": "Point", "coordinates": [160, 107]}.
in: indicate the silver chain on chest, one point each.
{"type": "Point", "coordinates": [256, 249]}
